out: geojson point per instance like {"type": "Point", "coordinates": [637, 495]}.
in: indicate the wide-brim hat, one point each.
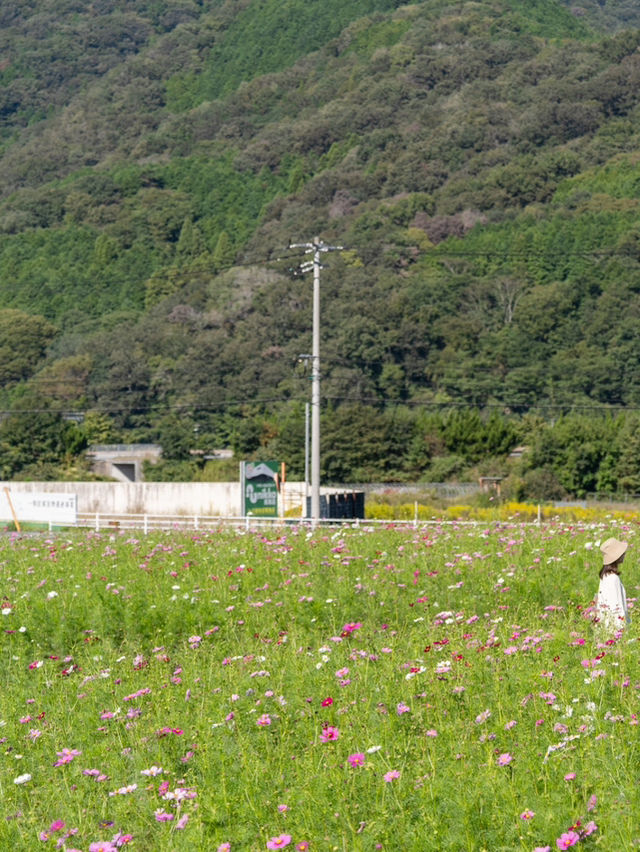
{"type": "Point", "coordinates": [612, 550]}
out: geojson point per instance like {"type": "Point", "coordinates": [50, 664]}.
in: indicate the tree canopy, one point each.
{"type": "Point", "coordinates": [478, 161]}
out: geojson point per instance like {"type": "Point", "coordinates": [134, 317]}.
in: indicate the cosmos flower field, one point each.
{"type": "Point", "coordinates": [430, 688]}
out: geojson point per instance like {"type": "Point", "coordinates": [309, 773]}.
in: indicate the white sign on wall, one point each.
{"type": "Point", "coordinates": [43, 506]}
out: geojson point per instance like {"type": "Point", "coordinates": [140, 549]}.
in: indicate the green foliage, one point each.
{"type": "Point", "coordinates": [24, 340]}
{"type": "Point", "coordinates": [36, 445]}
{"type": "Point", "coordinates": [98, 428]}
{"type": "Point", "coordinates": [265, 37]}
{"type": "Point", "coordinates": [169, 470]}
{"type": "Point", "coordinates": [478, 162]}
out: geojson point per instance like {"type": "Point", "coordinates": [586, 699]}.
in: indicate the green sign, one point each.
{"type": "Point", "coordinates": [260, 483]}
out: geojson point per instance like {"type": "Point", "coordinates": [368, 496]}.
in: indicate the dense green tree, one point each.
{"type": "Point", "coordinates": [627, 464]}
{"type": "Point", "coordinates": [479, 164]}
{"type": "Point", "coordinates": [23, 342]}
{"type": "Point", "coordinates": [30, 438]}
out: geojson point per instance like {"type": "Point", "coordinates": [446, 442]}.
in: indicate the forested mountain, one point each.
{"type": "Point", "coordinates": [479, 162]}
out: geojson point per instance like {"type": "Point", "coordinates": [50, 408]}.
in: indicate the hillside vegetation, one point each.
{"type": "Point", "coordinates": [479, 161]}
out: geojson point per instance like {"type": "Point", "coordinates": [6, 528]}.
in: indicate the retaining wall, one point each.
{"type": "Point", "coordinates": [213, 499]}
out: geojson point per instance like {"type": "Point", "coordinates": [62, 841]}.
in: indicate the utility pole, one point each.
{"type": "Point", "coordinates": [316, 247]}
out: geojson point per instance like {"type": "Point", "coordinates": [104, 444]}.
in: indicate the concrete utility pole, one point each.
{"type": "Point", "coordinates": [317, 247]}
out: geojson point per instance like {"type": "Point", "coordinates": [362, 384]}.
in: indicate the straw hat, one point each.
{"type": "Point", "coordinates": [612, 550]}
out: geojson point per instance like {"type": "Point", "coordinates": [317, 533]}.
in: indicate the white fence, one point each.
{"type": "Point", "coordinates": [101, 522]}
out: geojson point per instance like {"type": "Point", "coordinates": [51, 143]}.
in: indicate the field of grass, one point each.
{"type": "Point", "coordinates": [437, 688]}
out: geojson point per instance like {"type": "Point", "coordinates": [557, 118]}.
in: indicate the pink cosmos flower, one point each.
{"type": "Point", "coordinates": [329, 733]}
{"type": "Point", "coordinates": [57, 825]}
{"type": "Point", "coordinates": [432, 733]}
{"type": "Point", "coordinates": [402, 708]}
{"type": "Point", "coordinates": [570, 776]}
{"type": "Point", "coordinates": [567, 839]}
{"type": "Point", "coordinates": [279, 842]}
{"type": "Point", "coordinates": [103, 846]}
{"type": "Point", "coordinates": [327, 702]}
{"type": "Point", "coordinates": [356, 759]}
{"type": "Point", "coordinates": [504, 759]}
{"type": "Point", "coordinates": [66, 756]}
{"type": "Point", "coordinates": [527, 814]}
{"type": "Point", "coordinates": [264, 721]}
{"type": "Point", "coordinates": [224, 847]}
{"type": "Point", "coordinates": [391, 775]}
{"type": "Point", "coordinates": [302, 846]}
{"type": "Point", "coordinates": [152, 771]}
{"type": "Point", "coordinates": [593, 801]}
{"type": "Point", "coordinates": [163, 816]}
{"type": "Point", "coordinates": [589, 828]}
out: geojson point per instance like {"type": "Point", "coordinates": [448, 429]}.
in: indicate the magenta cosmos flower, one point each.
{"type": "Point", "coordinates": [279, 842]}
{"type": "Point", "coordinates": [567, 839]}
{"type": "Point", "coordinates": [356, 759]}
{"type": "Point", "coordinates": [329, 733]}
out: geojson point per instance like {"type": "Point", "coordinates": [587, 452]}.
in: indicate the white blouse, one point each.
{"type": "Point", "coordinates": [611, 604]}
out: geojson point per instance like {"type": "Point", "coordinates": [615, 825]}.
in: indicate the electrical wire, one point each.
{"type": "Point", "coordinates": [506, 407]}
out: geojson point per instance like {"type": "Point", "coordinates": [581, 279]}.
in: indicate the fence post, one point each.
{"type": "Point", "coordinates": [97, 521]}
{"type": "Point", "coordinates": [146, 525]}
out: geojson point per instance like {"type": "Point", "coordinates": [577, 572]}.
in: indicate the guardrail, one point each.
{"type": "Point", "coordinates": [102, 521]}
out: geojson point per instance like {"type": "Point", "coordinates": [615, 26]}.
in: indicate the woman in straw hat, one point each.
{"type": "Point", "coordinates": [611, 604]}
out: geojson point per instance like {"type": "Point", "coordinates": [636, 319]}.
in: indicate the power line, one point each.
{"type": "Point", "coordinates": [507, 407]}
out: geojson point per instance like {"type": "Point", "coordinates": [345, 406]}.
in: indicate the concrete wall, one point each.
{"type": "Point", "coordinates": [122, 462]}
{"type": "Point", "coordinates": [214, 499]}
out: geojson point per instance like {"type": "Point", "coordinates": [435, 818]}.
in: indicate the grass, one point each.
{"type": "Point", "coordinates": [350, 689]}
